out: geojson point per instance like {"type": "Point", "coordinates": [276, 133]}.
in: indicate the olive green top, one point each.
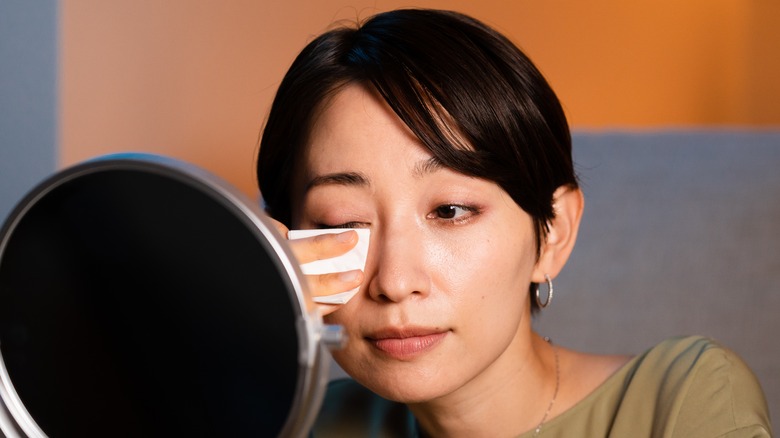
{"type": "Point", "coordinates": [683, 387]}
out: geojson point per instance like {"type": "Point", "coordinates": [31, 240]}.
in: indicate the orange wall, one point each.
{"type": "Point", "coordinates": [193, 79]}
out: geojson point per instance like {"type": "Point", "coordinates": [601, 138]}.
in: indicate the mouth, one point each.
{"type": "Point", "coordinates": [406, 343]}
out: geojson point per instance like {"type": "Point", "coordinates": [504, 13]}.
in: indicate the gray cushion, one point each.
{"type": "Point", "coordinates": [680, 235]}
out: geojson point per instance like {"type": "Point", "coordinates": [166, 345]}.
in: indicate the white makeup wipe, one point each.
{"type": "Point", "coordinates": [353, 259]}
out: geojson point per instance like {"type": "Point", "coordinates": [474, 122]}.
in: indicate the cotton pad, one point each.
{"type": "Point", "coordinates": [353, 259]}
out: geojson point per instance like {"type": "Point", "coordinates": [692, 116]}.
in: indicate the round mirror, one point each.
{"type": "Point", "coordinates": [140, 296]}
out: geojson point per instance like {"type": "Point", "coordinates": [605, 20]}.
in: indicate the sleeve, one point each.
{"type": "Point", "coordinates": [720, 398]}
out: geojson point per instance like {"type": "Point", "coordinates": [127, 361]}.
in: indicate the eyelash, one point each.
{"type": "Point", "coordinates": [344, 225]}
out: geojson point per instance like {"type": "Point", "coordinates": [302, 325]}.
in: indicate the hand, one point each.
{"type": "Point", "coordinates": [325, 246]}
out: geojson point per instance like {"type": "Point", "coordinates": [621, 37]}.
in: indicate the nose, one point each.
{"type": "Point", "coordinates": [399, 269]}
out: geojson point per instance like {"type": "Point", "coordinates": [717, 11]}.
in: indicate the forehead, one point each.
{"type": "Point", "coordinates": [355, 126]}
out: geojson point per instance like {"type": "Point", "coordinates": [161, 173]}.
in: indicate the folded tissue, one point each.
{"type": "Point", "coordinates": [353, 259]}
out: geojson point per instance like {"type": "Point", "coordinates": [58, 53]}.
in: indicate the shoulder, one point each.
{"type": "Point", "coordinates": [350, 409]}
{"type": "Point", "coordinates": [700, 388]}
{"type": "Point", "coordinates": [682, 387]}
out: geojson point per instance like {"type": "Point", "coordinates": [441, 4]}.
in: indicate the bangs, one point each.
{"type": "Point", "coordinates": [422, 97]}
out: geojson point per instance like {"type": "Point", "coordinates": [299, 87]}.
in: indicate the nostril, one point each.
{"type": "Point", "coordinates": [384, 298]}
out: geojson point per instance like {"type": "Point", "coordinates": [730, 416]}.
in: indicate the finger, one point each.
{"type": "Point", "coordinates": [280, 227]}
{"type": "Point", "coordinates": [334, 283]}
{"type": "Point", "coordinates": [327, 309]}
{"type": "Point", "coordinates": [329, 284]}
{"type": "Point", "coordinates": [323, 246]}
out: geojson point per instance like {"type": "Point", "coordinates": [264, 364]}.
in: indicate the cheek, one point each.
{"type": "Point", "coordinates": [348, 316]}
{"type": "Point", "coordinates": [484, 268]}
{"type": "Point", "coordinates": [354, 358]}
{"type": "Point", "coordinates": [488, 282]}
{"type": "Point", "coordinates": [342, 316]}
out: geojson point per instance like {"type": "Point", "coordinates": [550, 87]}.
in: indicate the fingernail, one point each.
{"type": "Point", "coordinates": [349, 276]}
{"type": "Point", "coordinates": [345, 236]}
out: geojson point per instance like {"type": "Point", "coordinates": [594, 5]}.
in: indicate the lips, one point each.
{"type": "Point", "coordinates": [406, 343]}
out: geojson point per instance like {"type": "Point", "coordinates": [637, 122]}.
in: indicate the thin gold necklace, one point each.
{"type": "Point", "coordinates": [557, 384]}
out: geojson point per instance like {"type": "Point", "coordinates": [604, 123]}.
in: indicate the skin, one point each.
{"type": "Point", "coordinates": [443, 320]}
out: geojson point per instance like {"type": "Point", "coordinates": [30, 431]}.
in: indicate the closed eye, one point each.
{"type": "Point", "coordinates": [344, 225]}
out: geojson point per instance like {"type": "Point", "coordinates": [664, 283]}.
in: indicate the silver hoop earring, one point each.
{"type": "Point", "coordinates": [543, 304]}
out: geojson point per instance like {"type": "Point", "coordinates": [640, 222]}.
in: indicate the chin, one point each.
{"type": "Point", "coordinates": [400, 382]}
{"type": "Point", "coordinates": [401, 392]}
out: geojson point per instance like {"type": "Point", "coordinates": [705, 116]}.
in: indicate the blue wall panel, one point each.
{"type": "Point", "coordinates": [28, 97]}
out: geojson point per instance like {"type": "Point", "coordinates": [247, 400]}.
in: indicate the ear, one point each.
{"type": "Point", "coordinates": [568, 204]}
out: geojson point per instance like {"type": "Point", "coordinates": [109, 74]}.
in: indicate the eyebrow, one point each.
{"type": "Point", "coordinates": [426, 167]}
{"type": "Point", "coordinates": [339, 178]}
{"type": "Point", "coordinates": [421, 168]}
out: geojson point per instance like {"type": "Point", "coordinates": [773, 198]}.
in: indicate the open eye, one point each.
{"type": "Point", "coordinates": [452, 212]}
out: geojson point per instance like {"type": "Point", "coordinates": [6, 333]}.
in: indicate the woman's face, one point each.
{"type": "Point", "coordinates": [444, 305]}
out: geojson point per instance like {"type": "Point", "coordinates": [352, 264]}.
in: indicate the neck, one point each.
{"type": "Point", "coordinates": [508, 398]}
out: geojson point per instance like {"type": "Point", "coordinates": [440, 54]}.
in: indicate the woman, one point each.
{"type": "Point", "coordinates": [441, 137]}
